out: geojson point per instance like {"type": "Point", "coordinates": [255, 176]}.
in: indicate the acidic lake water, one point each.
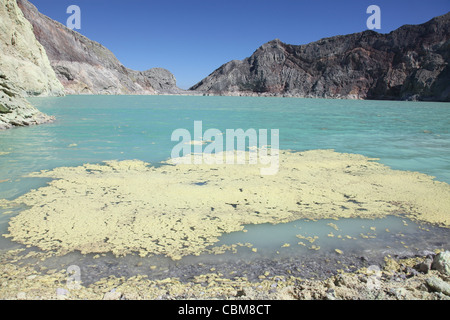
{"type": "Point", "coordinates": [412, 136]}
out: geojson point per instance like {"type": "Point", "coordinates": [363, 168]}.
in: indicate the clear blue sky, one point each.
{"type": "Point", "coordinates": [193, 38]}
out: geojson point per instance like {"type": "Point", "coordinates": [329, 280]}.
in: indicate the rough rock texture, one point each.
{"type": "Point", "coordinates": [442, 262]}
{"type": "Point", "coordinates": [86, 67]}
{"type": "Point", "coordinates": [395, 279]}
{"type": "Point", "coordinates": [161, 80]}
{"type": "Point", "coordinates": [15, 109]}
{"type": "Point", "coordinates": [410, 63]}
{"type": "Point", "coordinates": [24, 69]}
{"type": "Point", "coordinates": [22, 58]}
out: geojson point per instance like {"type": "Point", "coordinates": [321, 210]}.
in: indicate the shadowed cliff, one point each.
{"type": "Point", "coordinates": [410, 63]}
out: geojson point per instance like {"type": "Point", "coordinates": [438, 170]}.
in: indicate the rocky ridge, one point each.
{"type": "Point", "coordinates": [86, 67]}
{"type": "Point", "coordinates": [410, 63]}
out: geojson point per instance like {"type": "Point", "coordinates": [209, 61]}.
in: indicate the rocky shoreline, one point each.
{"type": "Point", "coordinates": [423, 277]}
{"type": "Point", "coordinates": [15, 110]}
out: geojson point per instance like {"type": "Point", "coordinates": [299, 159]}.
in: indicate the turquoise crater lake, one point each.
{"type": "Point", "coordinates": [413, 136]}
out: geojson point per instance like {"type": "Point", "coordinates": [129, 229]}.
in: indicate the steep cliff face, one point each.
{"type": "Point", "coordinates": [86, 67]}
{"type": "Point", "coordinates": [412, 63]}
{"type": "Point", "coordinates": [24, 70]}
{"type": "Point", "coordinates": [23, 60]}
{"type": "Point", "coordinates": [15, 111]}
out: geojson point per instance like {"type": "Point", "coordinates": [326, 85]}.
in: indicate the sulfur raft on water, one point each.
{"type": "Point", "coordinates": [178, 210]}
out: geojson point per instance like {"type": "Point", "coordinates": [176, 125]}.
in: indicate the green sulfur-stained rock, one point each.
{"type": "Point", "coordinates": [4, 109]}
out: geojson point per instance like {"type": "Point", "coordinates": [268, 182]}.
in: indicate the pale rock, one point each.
{"type": "Point", "coordinates": [24, 70]}
{"type": "Point", "coordinates": [438, 285]}
{"type": "Point", "coordinates": [425, 266]}
{"type": "Point", "coordinates": [23, 60]}
{"type": "Point", "coordinates": [441, 262]}
{"type": "Point", "coordinates": [112, 295]}
{"type": "Point", "coordinates": [21, 296]}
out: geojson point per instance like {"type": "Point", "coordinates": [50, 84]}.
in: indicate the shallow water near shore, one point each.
{"type": "Point", "coordinates": [403, 135]}
{"type": "Point", "coordinates": [328, 246]}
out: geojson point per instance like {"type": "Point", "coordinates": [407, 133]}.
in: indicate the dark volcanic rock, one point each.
{"type": "Point", "coordinates": [86, 67]}
{"type": "Point", "coordinates": [410, 63]}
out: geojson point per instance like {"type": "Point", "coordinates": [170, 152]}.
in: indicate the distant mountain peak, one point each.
{"type": "Point", "coordinates": [86, 67]}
